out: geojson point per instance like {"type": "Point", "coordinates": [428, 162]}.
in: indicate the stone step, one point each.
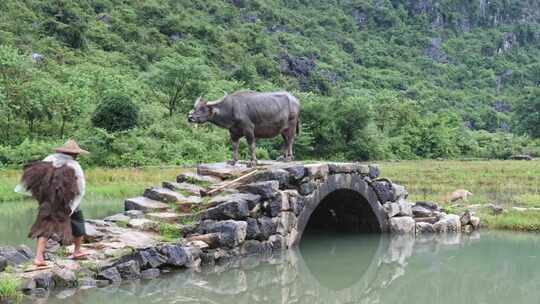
{"type": "Point", "coordinates": [187, 204]}
{"type": "Point", "coordinates": [143, 225]}
{"type": "Point", "coordinates": [164, 217]}
{"type": "Point", "coordinates": [194, 178]}
{"type": "Point", "coordinates": [163, 195]}
{"type": "Point", "coordinates": [144, 204]}
{"type": "Point", "coordinates": [185, 187]}
{"type": "Point", "coordinates": [223, 170]}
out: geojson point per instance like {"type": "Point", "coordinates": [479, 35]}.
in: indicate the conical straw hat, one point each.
{"type": "Point", "coordinates": [71, 147]}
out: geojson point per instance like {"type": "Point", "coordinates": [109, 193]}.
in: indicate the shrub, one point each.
{"type": "Point", "coordinates": [116, 113]}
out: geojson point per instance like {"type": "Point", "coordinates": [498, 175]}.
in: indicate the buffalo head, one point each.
{"type": "Point", "coordinates": [203, 110]}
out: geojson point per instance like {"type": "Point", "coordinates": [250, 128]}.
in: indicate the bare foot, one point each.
{"type": "Point", "coordinates": [78, 255]}
{"type": "Point", "coordinates": [40, 263]}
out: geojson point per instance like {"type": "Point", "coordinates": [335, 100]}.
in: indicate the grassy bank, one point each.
{"type": "Point", "coordinates": [8, 289]}
{"type": "Point", "coordinates": [101, 182]}
{"type": "Point", "coordinates": [505, 183]}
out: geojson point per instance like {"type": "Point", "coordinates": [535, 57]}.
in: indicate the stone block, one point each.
{"type": "Point", "coordinates": [266, 189]}
{"type": "Point", "coordinates": [267, 227]}
{"type": "Point", "coordinates": [317, 171]}
{"type": "Point", "coordinates": [64, 277]}
{"type": "Point", "coordinates": [296, 172]}
{"type": "Point", "coordinates": [120, 217]}
{"type": "Point", "coordinates": [184, 187]}
{"type": "Point", "coordinates": [232, 233]}
{"type": "Point", "coordinates": [110, 274]}
{"type": "Point", "coordinates": [307, 187]}
{"type": "Point", "coordinates": [423, 227]}
{"type": "Point", "coordinates": [129, 270]}
{"type": "Point", "coordinates": [374, 171]}
{"type": "Point", "coordinates": [280, 175]}
{"type": "Point", "coordinates": [253, 247]}
{"type": "Point", "coordinates": [163, 217]}
{"type": "Point", "coordinates": [402, 225]}
{"type": "Point", "coordinates": [222, 170]}
{"type": "Point", "coordinates": [144, 204]}
{"type": "Point", "coordinates": [143, 225]}
{"type": "Point", "coordinates": [228, 210]}
{"type": "Point", "coordinates": [163, 195]}
{"type": "Point", "coordinates": [194, 178]}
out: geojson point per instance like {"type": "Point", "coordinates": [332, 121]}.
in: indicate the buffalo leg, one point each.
{"type": "Point", "coordinates": [235, 141]}
{"type": "Point", "coordinates": [288, 136]}
{"type": "Point", "coordinates": [251, 141]}
{"type": "Point", "coordinates": [284, 147]}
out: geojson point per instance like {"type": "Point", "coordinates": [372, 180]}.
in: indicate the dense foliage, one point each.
{"type": "Point", "coordinates": [115, 113]}
{"type": "Point", "coordinates": [377, 79]}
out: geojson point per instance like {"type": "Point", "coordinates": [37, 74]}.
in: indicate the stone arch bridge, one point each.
{"type": "Point", "coordinates": [253, 213]}
{"type": "Point", "coordinates": [273, 207]}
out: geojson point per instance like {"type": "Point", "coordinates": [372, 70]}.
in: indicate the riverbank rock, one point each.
{"type": "Point", "coordinates": [231, 233]}
{"type": "Point", "coordinates": [449, 223]}
{"type": "Point", "coordinates": [423, 228]}
{"type": "Point", "coordinates": [475, 222]}
{"type": "Point", "coordinates": [421, 211]}
{"type": "Point", "coordinates": [144, 204]}
{"type": "Point", "coordinates": [402, 225]}
{"type": "Point", "coordinates": [110, 274]}
{"type": "Point", "coordinates": [495, 209]}
{"type": "Point", "coordinates": [521, 157]}
{"type": "Point", "coordinates": [15, 256]}
{"type": "Point", "coordinates": [129, 270]}
{"type": "Point", "coordinates": [64, 277]}
{"type": "Point", "coordinates": [178, 255]}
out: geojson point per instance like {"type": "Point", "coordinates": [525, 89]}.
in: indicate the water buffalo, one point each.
{"type": "Point", "coordinates": [252, 115]}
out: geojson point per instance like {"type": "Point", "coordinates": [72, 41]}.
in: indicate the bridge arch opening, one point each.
{"type": "Point", "coordinates": [343, 211]}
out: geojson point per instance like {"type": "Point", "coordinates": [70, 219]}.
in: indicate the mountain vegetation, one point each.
{"type": "Point", "coordinates": [377, 79]}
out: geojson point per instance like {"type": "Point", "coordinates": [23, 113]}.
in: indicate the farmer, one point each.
{"type": "Point", "coordinates": [58, 184]}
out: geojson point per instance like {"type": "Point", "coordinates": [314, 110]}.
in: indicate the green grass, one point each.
{"type": "Point", "coordinates": [505, 183]}
{"type": "Point", "coordinates": [9, 289]}
{"type": "Point", "coordinates": [169, 232]}
{"type": "Point", "coordinates": [513, 220]}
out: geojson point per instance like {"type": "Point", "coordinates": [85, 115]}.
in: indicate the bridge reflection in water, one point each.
{"type": "Point", "coordinates": [352, 269]}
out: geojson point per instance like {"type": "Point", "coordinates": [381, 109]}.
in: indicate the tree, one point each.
{"type": "Point", "coordinates": [528, 113]}
{"type": "Point", "coordinates": [178, 81]}
{"type": "Point", "coordinates": [116, 113]}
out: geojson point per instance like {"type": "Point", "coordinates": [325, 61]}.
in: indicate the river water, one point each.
{"type": "Point", "coordinates": [491, 267]}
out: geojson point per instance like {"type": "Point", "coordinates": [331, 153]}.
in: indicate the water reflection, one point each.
{"type": "Point", "coordinates": [496, 268]}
